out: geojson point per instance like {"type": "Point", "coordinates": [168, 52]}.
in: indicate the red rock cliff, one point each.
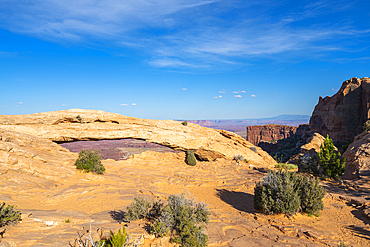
{"type": "Point", "coordinates": [269, 132]}
{"type": "Point", "coordinates": [343, 115]}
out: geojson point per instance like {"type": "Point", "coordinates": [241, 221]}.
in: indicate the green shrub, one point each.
{"type": "Point", "coordinates": [90, 161]}
{"type": "Point", "coordinates": [277, 193]}
{"type": "Point", "coordinates": [116, 240]}
{"type": "Point", "coordinates": [185, 123]}
{"type": "Point", "coordinates": [9, 215]}
{"type": "Point", "coordinates": [331, 162]}
{"type": "Point", "coordinates": [311, 194]}
{"type": "Point", "coordinates": [286, 166]}
{"type": "Point", "coordinates": [190, 158]}
{"type": "Point", "coordinates": [286, 192]}
{"type": "Point", "coordinates": [182, 218]}
{"type": "Point", "coordinates": [308, 164]}
{"type": "Point", "coordinates": [138, 209]}
{"type": "Point", "coordinates": [159, 228]}
{"type": "Point", "coordinates": [185, 219]}
{"type": "Point", "coordinates": [367, 125]}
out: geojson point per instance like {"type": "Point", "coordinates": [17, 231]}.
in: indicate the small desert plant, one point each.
{"type": "Point", "coordinates": [238, 158]}
{"type": "Point", "coordinates": [79, 118]}
{"type": "Point", "coordinates": [184, 219]}
{"type": "Point", "coordinates": [9, 215]}
{"type": "Point", "coordinates": [367, 125]}
{"type": "Point", "coordinates": [190, 158]}
{"type": "Point", "coordinates": [311, 195]}
{"type": "Point", "coordinates": [119, 239]}
{"type": "Point", "coordinates": [286, 166]}
{"type": "Point", "coordinates": [277, 193]}
{"type": "Point", "coordinates": [90, 161]}
{"type": "Point", "coordinates": [185, 123]}
{"type": "Point", "coordinates": [67, 221]}
{"type": "Point", "coordinates": [331, 162]}
{"type": "Point", "coordinates": [286, 192]}
{"type": "Point", "coordinates": [308, 164]}
{"type": "Point", "coordinates": [138, 209]}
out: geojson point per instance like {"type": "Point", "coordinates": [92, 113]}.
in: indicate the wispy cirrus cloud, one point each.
{"type": "Point", "coordinates": [189, 34]}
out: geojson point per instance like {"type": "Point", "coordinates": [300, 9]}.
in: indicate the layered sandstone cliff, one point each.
{"type": "Point", "coordinates": [269, 132]}
{"type": "Point", "coordinates": [343, 115]}
{"type": "Point", "coordinates": [77, 124]}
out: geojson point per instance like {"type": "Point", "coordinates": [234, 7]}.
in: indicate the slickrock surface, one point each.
{"type": "Point", "coordinates": [34, 155]}
{"type": "Point", "coordinates": [269, 132]}
{"type": "Point", "coordinates": [358, 157]}
{"type": "Point", "coordinates": [100, 200]}
{"type": "Point", "coordinates": [64, 126]}
{"type": "Point", "coordinates": [342, 116]}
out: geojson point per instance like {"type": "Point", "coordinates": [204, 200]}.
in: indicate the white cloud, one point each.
{"type": "Point", "coordinates": [184, 89]}
{"type": "Point", "coordinates": [133, 104]}
{"type": "Point", "coordinates": [253, 95]}
{"type": "Point", "coordinates": [64, 105]}
{"type": "Point", "coordinates": [235, 92]}
{"type": "Point", "coordinates": [182, 42]}
{"type": "Point", "coordinates": [20, 103]}
{"type": "Point", "coordinates": [216, 97]}
{"type": "Point", "coordinates": [237, 96]}
{"type": "Point", "coordinates": [124, 104]}
{"type": "Point", "coordinates": [333, 89]}
{"type": "Point", "coordinates": [222, 91]}
{"type": "Point", "coordinates": [242, 92]}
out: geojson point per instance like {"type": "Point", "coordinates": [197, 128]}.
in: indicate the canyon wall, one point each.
{"type": "Point", "coordinates": [342, 115]}
{"type": "Point", "coordinates": [269, 132]}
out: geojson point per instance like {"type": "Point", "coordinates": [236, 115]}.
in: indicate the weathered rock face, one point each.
{"type": "Point", "coordinates": [343, 115]}
{"type": "Point", "coordinates": [358, 157]}
{"type": "Point", "coordinates": [314, 144]}
{"type": "Point", "coordinates": [77, 124]}
{"type": "Point", "coordinates": [269, 132]}
{"type": "Point", "coordinates": [34, 155]}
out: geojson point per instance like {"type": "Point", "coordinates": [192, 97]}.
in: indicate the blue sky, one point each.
{"type": "Point", "coordinates": [167, 59]}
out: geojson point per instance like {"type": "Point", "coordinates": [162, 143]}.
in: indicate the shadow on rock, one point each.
{"type": "Point", "coordinates": [361, 232]}
{"type": "Point", "coordinates": [118, 216]}
{"type": "Point", "coordinates": [239, 200]}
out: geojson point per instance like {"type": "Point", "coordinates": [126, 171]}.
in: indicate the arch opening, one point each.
{"type": "Point", "coordinates": [118, 149]}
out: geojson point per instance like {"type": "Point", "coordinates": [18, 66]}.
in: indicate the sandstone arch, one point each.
{"type": "Point", "coordinates": [78, 124]}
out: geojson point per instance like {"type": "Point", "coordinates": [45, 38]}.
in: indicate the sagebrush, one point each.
{"type": "Point", "coordinates": [182, 219]}
{"type": "Point", "coordinates": [286, 192]}
{"type": "Point", "coordinates": [308, 164]}
{"type": "Point", "coordinates": [9, 215]}
{"type": "Point", "coordinates": [90, 161]}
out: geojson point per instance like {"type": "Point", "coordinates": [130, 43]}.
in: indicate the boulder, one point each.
{"type": "Point", "coordinates": [313, 145]}
{"type": "Point", "coordinates": [342, 116]}
{"type": "Point", "coordinates": [358, 157]}
{"type": "Point", "coordinates": [78, 124]}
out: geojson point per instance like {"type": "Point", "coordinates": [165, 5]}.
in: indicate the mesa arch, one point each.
{"type": "Point", "coordinates": [79, 124]}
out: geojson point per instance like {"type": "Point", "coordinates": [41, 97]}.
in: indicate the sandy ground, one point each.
{"type": "Point", "coordinates": [227, 188]}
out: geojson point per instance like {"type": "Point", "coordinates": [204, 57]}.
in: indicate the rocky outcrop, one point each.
{"type": "Point", "coordinates": [34, 155]}
{"type": "Point", "coordinates": [313, 145]}
{"type": "Point", "coordinates": [358, 157]}
{"type": "Point", "coordinates": [77, 124]}
{"type": "Point", "coordinates": [342, 116]}
{"type": "Point", "coordinates": [269, 132]}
